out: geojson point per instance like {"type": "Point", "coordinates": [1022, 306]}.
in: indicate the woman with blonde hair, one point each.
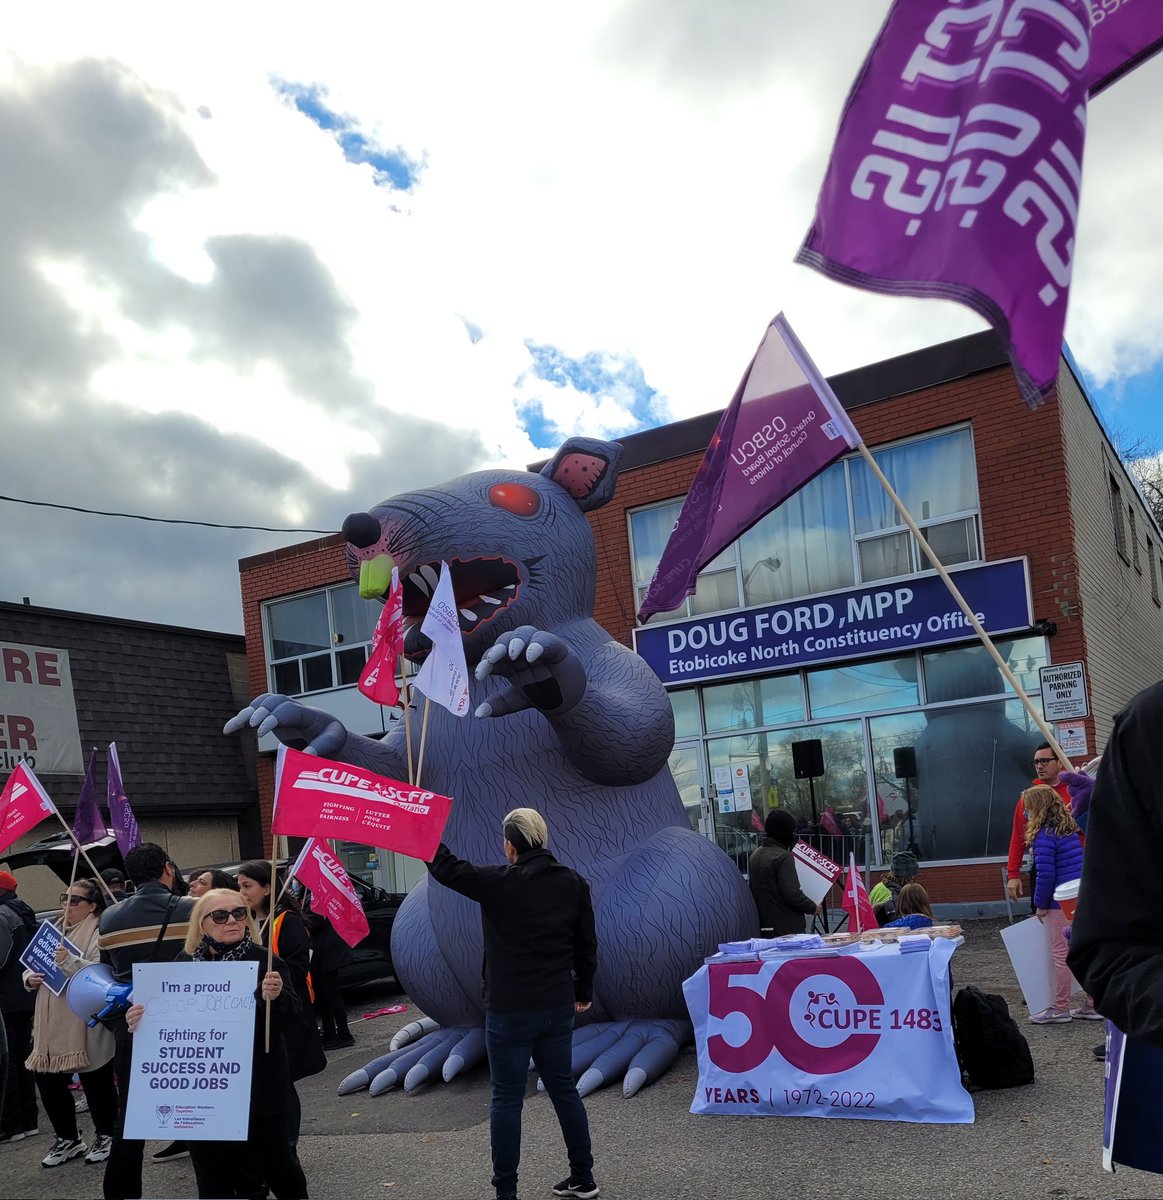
{"type": "Point", "coordinates": [1056, 849]}
{"type": "Point", "coordinates": [222, 929]}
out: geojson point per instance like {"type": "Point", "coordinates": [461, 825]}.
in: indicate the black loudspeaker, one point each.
{"type": "Point", "coordinates": [905, 762]}
{"type": "Point", "coordinates": [807, 759]}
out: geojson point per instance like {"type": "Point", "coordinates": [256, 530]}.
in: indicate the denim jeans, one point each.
{"type": "Point", "coordinates": [546, 1036]}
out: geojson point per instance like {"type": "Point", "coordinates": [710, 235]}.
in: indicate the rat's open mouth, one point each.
{"type": "Point", "coordinates": [483, 587]}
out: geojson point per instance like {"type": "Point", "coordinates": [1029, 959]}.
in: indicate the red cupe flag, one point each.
{"type": "Point", "coordinates": [318, 798]}
{"type": "Point", "coordinates": [23, 804]}
{"type": "Point", "coordinates": [856, 903]}
{"type": "Point", "coordinates": [378, 680]}
{"type": "Point", "coordinates": [332, 895]}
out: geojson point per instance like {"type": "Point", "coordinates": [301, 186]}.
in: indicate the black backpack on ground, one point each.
{"type": "Point", "coordinates": [990, 1046]}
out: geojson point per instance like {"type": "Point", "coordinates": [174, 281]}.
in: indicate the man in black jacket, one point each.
{"type": "Point", "coordinates": [1116, 940]}
{"type": "Point", "coordinates": [17, 924]}
{"type": "Point", "coordinates": [149, 926]}
{"type": "Point", "coordinates": [775, 884]}
{"type": "Point", "coordinates": [541, 954]}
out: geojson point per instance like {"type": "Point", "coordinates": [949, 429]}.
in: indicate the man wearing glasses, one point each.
{"type": "Point", "coordinates": [1047, 769]}
{"type": "Point", "coordinates": [149, 926]}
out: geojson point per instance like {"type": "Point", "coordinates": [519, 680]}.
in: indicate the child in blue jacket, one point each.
{"type": "Point", "coordinates": [1052, 835]}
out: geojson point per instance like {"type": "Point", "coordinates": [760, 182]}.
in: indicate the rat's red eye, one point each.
{"type": "Point", "coordinates": [514, 498]}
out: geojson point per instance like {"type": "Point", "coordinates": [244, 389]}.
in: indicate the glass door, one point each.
{"type": "Point", "coordinates": [686, 765]}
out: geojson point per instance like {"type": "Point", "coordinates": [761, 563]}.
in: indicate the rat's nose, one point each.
{"type": "Point", "coordinates": [361, 530]}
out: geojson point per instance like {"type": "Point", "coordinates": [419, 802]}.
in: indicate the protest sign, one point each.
{"type": "Point", "coordinates": [318, 798]}
{"type": "Point", "coordinates": [40, 955]}
{"type": "Point", "coordinates": [863, 1035]}
{"type": "Point", "coordinates": [816, 871]}
{"type": "Point", "coordinates": [1028, 945]}
{"type": "Point", "coordinates": [193, 1051]}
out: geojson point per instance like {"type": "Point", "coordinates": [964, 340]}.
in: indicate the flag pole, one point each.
{"type": "Point", "coordinates": [406, 692]}
{"type": "Point", "coordinates": [65, 902]}
{"type": "Point", "coordinates": [423, 739]}
{"type": "Point", "coordinates": [855, 892]}
{"type": "Point", "coordinates": [73, 838]}
{"type": "Point", "coordinates": [969, 614]}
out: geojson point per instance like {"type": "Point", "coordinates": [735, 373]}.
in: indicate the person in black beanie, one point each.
{"type": "Point", "coordinates": [774, 883]}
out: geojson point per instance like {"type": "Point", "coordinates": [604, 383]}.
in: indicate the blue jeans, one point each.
{"type": "Point", "coordinates": [546, 1036]}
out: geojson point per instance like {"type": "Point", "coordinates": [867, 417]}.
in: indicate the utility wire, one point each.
{"type": "Point", "coordinates": [98, 512]}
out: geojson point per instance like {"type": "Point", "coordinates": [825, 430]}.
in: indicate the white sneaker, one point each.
{"type": "Point", "coordinates": [99, 1150]}
{"type": "Point", "coordinates": [62, 1150]}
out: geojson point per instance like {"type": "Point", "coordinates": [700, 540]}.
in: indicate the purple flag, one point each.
{"type": "Point", "coordinates": [88, 824]}
{"type": "Point", "coordinates": [781, 429]}
{"type": "Point", "coordinates": [124, 822]}
{"type": "Point", "coordinates": [1122, 36]}
{"type": "Point", "coordinates": [957, 168]}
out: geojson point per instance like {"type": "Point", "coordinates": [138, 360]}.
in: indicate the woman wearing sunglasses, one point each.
{"type": "Point", "coordinates": [63, 1044]}
{"type": "Point", "coordinates": [222, 930]}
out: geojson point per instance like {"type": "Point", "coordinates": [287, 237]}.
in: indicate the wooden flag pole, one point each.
{"type": "Point", "coordinates": [271, 939]}
{"type": "Point", "coordinates": [423, 739]}
{"type": "Point", "coordinates": [81, 849]}
{"type": "Point", "coordinates": [405, 691]}
{"type": "Point", "coordinates": [969, 614]}
{"type": "Point", "coordinates": [65, 902]}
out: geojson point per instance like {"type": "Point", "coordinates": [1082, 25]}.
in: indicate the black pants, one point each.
{"type": "Point", "coordinates": [220, 1167]}
{"type": "Point", "coordinates": [57, 1099]}
{"type": "Point", "coordinates": [20, 1110]}
{"type": "Point", "coordinates": [329, 1006]}
{"type": "Point", "coordinates": [123, 1167]}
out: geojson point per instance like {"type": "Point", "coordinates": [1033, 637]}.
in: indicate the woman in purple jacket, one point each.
{"type": "Point", "coordinates": [1052, 835]}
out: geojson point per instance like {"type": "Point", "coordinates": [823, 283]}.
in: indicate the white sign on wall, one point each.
{"type": "Point", "coordinates": [1071, 737]}
{"type": "Point", "coordinates": [1064, 691]}
{"type": "Point", "coordinates": [38, 715]}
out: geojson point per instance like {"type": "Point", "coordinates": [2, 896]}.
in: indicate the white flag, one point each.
{"type": "Point", "coordinates": [443, 677]}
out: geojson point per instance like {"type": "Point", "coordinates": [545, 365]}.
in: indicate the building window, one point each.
{"type": "Point", "coordinates": [936, 478]}
{"type": "Point", "coordinates": [1133, 532]}
{"type": "Point", "coordinates": [1117, 514]}
{"type": "Point", "coordinates": [806, 545]}
{"type": "Point", "coordinates": [1155, 566]}
{"type": "Point", "coordinates": [319, 640]}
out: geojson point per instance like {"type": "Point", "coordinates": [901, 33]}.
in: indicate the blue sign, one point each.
{"type": "Point", "coordinates": [40, 955]}
{"type": "Point", "coordinates": [899, 615]}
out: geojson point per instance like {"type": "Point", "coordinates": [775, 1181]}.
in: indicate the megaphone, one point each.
{"type": "Point", "coordinates": [93, 994]}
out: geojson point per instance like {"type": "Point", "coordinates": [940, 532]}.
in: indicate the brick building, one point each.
{"type": "Point", "coordinates": [923, 744]}
{"type": "Point", "coordinates": [73, 681]}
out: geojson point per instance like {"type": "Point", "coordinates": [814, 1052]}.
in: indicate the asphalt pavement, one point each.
{"type": "Point", "coordinates": [1043, 1140]}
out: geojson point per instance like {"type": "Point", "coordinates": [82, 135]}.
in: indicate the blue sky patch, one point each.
{"type": "Point", "coordinates": [392, 167]}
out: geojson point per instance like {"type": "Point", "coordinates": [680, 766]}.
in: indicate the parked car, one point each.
{"type": "Point", "coordinates": [372, 957]}
{"type": "Point", "coordinates": [56, 853]}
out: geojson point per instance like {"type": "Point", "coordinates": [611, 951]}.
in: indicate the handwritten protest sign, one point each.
{"type": "Point", "coordinates": [193, 1051]}
{"type": "Point", "coordinates": [41, 955]}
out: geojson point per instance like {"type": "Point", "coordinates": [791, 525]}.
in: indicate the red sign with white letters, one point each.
{"type": "Point", "coordinates": [315, 797]}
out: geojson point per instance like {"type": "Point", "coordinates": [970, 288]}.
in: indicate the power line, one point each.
{"type": "Point", "coordinates": [98, 512]}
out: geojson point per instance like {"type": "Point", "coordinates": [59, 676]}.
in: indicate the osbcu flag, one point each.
{"type": "Point", "coordinates": [23, 804]}
{"type": "Point", "coordinates": [781, 429]}
{"type": "Point", "coordinates": [332, 895]}
{"type": "Point", "coordinates": [443, 676]}
{"type": "Point", "coordinates": [120, 813]}
{"type": "Point", "coordinates": [88, 824]}
{"type": "Point", "coordinates": [318, 798]}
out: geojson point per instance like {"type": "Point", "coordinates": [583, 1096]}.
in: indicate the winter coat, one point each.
{"type": "Point", "coordinates": [1057, 860]}
{"type": "Point", "coordinates": [775, 885]}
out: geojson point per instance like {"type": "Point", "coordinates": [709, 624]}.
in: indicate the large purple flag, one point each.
{"type": "Point", "coordinates": [958, 163]}
{"type": "Point", "coordinates": [781, 429]}
{"type": "Point", "coordinates": [124, 822]}
{"type": "Point", "coordinates": [88, 825]}
{"type": "Point", "coordinates": [1123, 35]}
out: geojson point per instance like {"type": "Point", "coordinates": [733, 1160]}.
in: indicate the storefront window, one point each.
{"type": "Point", "coordinates": [319, 640]}
{"type": "Point", "coordinates": [802, 547]}
{"type": "Point", "coordinates": [972, 761]}
{"type": "Point", "coordinates": [684, 766]}
{"type": "Point", "coordinates": [863, 687]}
{"type": "Point", "coordinates": [686, 712]}
{"type": "Point", "coordinates": [968, 671]}
{"type": "Point", "coordinates": [749, 703]}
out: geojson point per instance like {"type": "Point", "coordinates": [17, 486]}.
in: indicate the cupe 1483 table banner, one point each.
{"type": "Point", "coordinates": [315, 797]}
{"type": "Point", "coordinates": [866, 1036]}
{"type": "Point", "coordinates": [193, 1051]}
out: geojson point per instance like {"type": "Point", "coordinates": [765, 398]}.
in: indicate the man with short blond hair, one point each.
{"type": "Point", "coordinates": [541, 954]}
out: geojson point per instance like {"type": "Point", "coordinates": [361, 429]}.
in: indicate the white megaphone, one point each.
{"type": "Point", "coordinates": [93, 994]}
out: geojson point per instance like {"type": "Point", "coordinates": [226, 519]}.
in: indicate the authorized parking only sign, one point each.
{"type": "Point", "coordinates": [1064, 691]}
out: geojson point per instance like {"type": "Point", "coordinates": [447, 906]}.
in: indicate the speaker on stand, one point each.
{"type": "Point", "coordinates": [904, 760]}
{"type": "Point", "coordinates": [807, 760]}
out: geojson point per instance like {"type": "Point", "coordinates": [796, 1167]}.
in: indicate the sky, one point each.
{"type": "Point", "coordinates": [264, 265]}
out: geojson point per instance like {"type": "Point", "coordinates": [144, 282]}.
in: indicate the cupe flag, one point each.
{"type": "Point", "coordinates": [856, 903]}
{"type": "Point", "coordinates": [378, 679]}
{"type": "Point", "coordinates": [957, 166]}
{"type": "Point", "coordinates": [23, 804]}
{"type": "Point", "coordinates": [88, 824]}
{"type": "Point", "coordinates": [332, 894]}
{"type": "Point", "coordinates": [783, 426]}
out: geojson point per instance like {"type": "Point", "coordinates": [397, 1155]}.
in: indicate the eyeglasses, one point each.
{"type": "Point", "coordinates": [1044, 762]}
{"type": "Point", "coordinates": [65, 898]}
{"type": "Point", "coordinates": [221, 915]}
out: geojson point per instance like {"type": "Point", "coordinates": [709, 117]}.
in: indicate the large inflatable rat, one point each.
{"type": "Point", "coordinates": [565, 720]}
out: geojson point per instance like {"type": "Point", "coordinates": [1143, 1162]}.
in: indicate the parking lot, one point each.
{"type": "Point", "coordinates": [1038, 1141]}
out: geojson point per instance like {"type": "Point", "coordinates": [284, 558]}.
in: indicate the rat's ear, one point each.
{"type": "Point", "coordinates": [587, 469]}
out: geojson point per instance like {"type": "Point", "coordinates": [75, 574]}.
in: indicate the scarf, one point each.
{"type": "Point", "coordinates": [61, 1041]}
{"type": "Point", "coordinates": [208, 950]}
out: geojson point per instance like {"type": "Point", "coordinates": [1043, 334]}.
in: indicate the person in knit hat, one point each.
{"type": "Point", "coordinates": [774, 883]}
{"type": "Point", "coordinates": [17, 924]}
